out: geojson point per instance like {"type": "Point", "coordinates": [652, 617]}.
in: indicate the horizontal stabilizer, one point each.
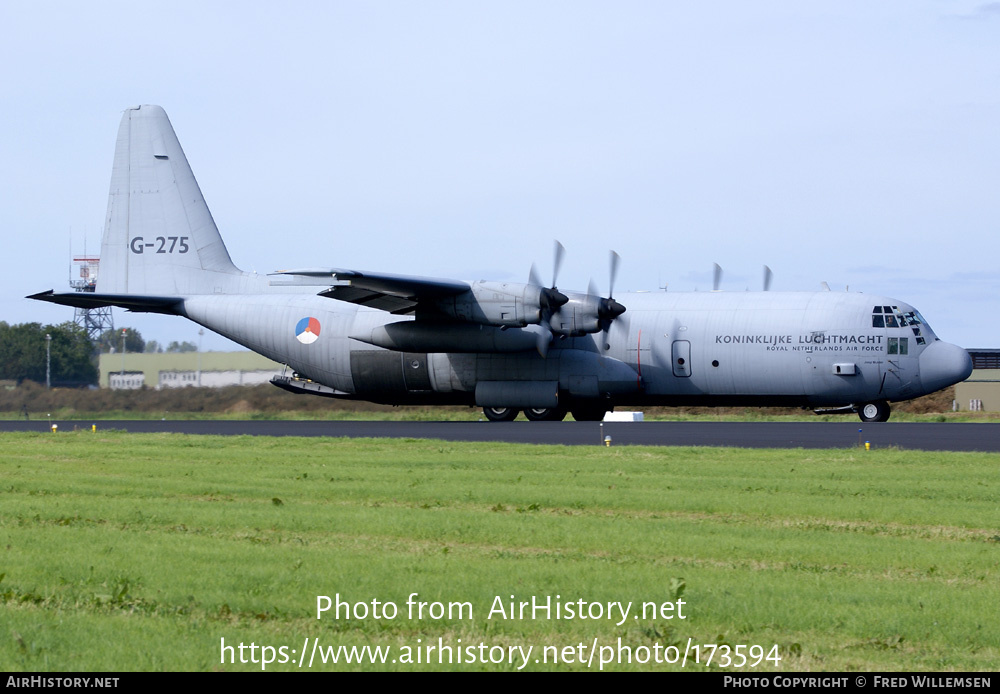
{"type": "Point", "coordinates": [144, 304]}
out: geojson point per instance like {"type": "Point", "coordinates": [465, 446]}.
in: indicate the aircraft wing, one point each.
{"type": "Point", "coordinates": [396, 294]}
{"type": "Point", "coordinates": [130, 302]}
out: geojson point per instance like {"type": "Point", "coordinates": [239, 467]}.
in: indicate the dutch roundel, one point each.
{"type": "Point", "coordinates": [307, 330]}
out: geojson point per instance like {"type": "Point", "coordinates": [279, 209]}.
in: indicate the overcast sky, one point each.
{"type": "Point", "coordinates": [856, 143]}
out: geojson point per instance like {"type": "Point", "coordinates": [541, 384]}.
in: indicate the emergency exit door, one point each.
{"type": "Point", "coordinates": [680, 353]}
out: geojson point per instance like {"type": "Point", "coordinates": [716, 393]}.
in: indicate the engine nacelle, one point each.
{"type": "Point", "coordinates": [507, 304]}
{"type": "Point", "coordinates": [578, 316]}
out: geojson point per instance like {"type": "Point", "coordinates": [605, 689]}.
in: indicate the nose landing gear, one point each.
{"type": "Point", "coordinates": [874, 411]}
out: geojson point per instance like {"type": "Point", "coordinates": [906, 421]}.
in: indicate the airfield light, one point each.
{"type": "Point", "coordinates": [607, 441]}
{"type": "Point", "coordinates": [868, 445]}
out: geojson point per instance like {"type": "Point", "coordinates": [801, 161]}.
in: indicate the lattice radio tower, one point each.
{"type": "Point", "coordinates": [94, 320]}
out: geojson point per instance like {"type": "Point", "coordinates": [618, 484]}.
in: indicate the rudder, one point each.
{"type": "Point", "coordinates": [159, 236]}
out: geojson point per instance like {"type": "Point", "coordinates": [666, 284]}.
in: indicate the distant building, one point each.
{"type": "Point", "coordinates": [185, 369]}
{"type": "Point", "coordinates": [981, 391]}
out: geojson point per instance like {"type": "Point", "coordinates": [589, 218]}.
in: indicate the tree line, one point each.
{"type": "Point", "coordinates": [73, 357]}
{"type": "Point", "coordinates": [23, 354]}
{"type": "Point", "coordinates": [111, 341]}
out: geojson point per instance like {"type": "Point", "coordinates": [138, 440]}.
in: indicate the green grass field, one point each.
{"type": "Point", "coordinates": [143, 552]}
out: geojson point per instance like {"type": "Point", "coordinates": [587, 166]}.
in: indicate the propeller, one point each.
{"type": "Point", "coordinates": [609, 310]}
{"type": "Point", "coordinates": [550, 299]}
{"type": "Point", "coordinates": [767, 278]}
{"type": "Point", "coordinates": [557, 258]}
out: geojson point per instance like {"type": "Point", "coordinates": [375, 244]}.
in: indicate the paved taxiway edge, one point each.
{"type": "Point", "coordinates": [907, 435]}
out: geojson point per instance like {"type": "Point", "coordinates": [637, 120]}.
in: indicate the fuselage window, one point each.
{"type": "Point", "coordinates": [893, 345]}
{"type": "Point", "coordinates": [904, 345]}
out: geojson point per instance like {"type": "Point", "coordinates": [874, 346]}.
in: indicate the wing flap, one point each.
{"type": "Point", "coordinates": [396, 294]}
{"type": "Point", "coordinates": [365, 297]}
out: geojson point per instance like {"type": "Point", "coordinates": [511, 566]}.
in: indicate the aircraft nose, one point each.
{"type": "Point", "coordinates": [943, 364]}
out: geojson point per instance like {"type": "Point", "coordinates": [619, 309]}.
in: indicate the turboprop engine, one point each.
{"type": "Point", "coordinates": [502, 304]}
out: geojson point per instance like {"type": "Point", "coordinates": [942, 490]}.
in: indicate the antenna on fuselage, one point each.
{"type": "Point", "coordinates": [716, 277]}
{"type": "Point", "coordinates": [768, 275]}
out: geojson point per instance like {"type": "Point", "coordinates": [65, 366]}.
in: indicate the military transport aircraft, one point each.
{"type": "Point", "coordinates": [502, 346]}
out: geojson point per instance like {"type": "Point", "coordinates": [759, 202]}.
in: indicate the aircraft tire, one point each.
{"type": "Point", "coordinates": [874, 411]}
{"type": "Point", "coordinates": [588, 414]}
{"type": "Point", "coordinates": [500, 414]}
{"type": "Point", "coordinates": [550, 414]}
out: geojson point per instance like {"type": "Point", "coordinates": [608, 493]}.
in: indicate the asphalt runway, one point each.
{"type": "Point", "coordinates": [927, 437]}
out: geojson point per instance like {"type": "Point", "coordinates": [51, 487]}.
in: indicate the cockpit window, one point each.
{"type": "Point", "coordinates": [893, 317]}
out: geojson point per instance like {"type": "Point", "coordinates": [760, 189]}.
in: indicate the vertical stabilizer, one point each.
{"type": "Point", "coordinates": [159, 237]}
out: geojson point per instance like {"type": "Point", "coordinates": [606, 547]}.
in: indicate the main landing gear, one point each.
{"type": "Point", "coordinates": [594, 413]}
{"type": "Point", "coordinates": [500, 414]}
{"type": "Point", "coordinates": [550, 414]}
{"type": "Point", "coordinates": [874, 411]}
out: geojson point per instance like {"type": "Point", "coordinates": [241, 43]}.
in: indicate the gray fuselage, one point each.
{"type": "Point", "coordinates": [710, 348]}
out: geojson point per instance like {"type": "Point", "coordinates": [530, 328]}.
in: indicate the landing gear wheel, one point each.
{"type": "Point", "coordinates": [874, 411]}
{"type": "Point", "coordinates": [500, 414]}
{"type": "Point", "coordinates": [589, 414]}
{"type": "Point", "coordinates": [551, 414]}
